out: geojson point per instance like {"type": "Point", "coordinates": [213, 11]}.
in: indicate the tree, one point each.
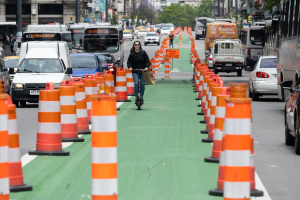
{"type": "Point", "coordinates": [113, 20]}
{"type": "Point", "coordinates": [206, 9]}
{"type": "Point", "coordinates": [270, 4]}
{"type": "Point", "coordinates": [148, 12]}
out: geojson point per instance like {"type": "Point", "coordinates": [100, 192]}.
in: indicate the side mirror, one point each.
{"type": "Point", "coordinates": [19, 45]}
{"type": "Point", "coordinates": [11, 71]}
{"type": "Point", "coordinates": [286, 84]}
{"type": "Point", "coordinates": [69, 71]}
{"type": "Point", "coordinates": [288, 88]}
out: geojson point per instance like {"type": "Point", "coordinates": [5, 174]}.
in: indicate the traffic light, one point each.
{"type": "Point", "coordinates": [71, 19]}
{"type": "Point", "coordinates": [249, 19]}
{"type": "Point", "coordinates": [82, 19]}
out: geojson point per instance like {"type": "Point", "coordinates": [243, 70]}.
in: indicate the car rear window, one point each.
{"type": "Point", "coordinates": [268, 63]}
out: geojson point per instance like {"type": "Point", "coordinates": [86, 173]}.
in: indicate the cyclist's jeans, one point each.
{"type": "Point", "coordinates": [136, 78]}
{"type": "Point", "coordinates": [171, 43]}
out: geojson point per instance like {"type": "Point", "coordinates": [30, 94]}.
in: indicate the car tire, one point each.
{"type": "Point", "coordinates": [297, 137]}
{"type": "Point", "coordinates": [23, 103]}
{"type": "Point", "coordinates": [239, 72]}
{"type": "Point", "coordinates": [145, 44]}
{"type": "Point", "coordinates": [289, 139]}
{"type": "Point", "coordinates": [255, 96]}
{"type": "Point", "coordinates": [215, 70]}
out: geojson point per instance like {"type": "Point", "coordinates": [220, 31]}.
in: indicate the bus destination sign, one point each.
{"type": "Point", "coordinates": [40, 35]}
{"type": "Point", "coordinates": [77, 31]}
{"type": "Point", "coordinates": [101, 31]}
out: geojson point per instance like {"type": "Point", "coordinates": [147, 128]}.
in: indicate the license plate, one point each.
{"type": "Point", "coordinates": [34, 92]}
{"type": "Point", "coordinates": [228, 64]}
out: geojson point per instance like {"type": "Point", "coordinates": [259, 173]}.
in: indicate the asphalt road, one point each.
{"type": "Point", "coordinates": [276, 164]}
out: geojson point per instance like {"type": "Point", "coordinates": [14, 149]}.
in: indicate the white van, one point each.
{"type": "Point", "coordinates": [39, 63]}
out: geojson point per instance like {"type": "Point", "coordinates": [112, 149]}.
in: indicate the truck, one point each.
{"type": "Point", "coordinates": [228, 56]}
{"type": "Point", "coordinates": [39, 63]}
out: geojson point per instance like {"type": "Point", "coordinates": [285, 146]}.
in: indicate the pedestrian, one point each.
{"type": "Point", "coordinates": [171, 38]}
{"type": "Point", "coordinates": [1, 49]}
{"type": "Point", "coordinates": [138, 60]}
{"type": "Point", "coordinates": [7, 40]}
{"type": "Point", "coordinates": [12, 43]}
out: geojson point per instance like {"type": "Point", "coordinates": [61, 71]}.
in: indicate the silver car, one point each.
{"type": "Point", "coordinates": [127, 35]}
{"type": "Point", "coordinates": [151, 38]}
{"type": "Point", "coordinates": [142, 33]}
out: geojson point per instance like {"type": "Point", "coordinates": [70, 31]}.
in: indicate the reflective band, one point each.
{"type": "Point", "coordinates": [209, 95]}
{"type": "Point", "coordinates": [89, 105]}
{"type": "Point", "coordinates": [239, 158]}
{"type": "Point", "coordinates": [197, 81]}
{"type": "Point", "coordinates": [4, 154]}
{"type": "Point", "coordinates": [201, 78]}
{"type": "Point", "coordinates": [49, 106]}
{"type": "Point", "coordinates": [121, 79]}
{"type": "Point", "coordinates": [251, 160]}
{"type": "Point", "coordinates": [204, 86]}
{"type": "Point", "coordinates": [222, 158]}
{"type": "Point", "coordinates": [236, 190]}
{"type": "Point", "coordinates": [213, 101]}
{"type": "Point", "coordinates": [105, 186]}
{"type": "Point", "coordinates": [208, 111]}
{"type": "Point", "coordinates": [212, 119]}
{"type": "Point", "coordinates": [12, 126]}
{"type": "Point", "coordinates": [104, 155]}
{"type": "Point", "coordinates": [237, 126]}
{"type": "Point", "coordinates": [4, 186]}
{"type": "Point", "coordinates": [81, 112]}
{"type": "Point", "coordinates": [3, 122]}
{"type": "Point", "coordinates": [14, 155]}
{"type": "Point", "coordinates": [203, 99]}
{"type": "Point", "coordinates": [68, 119]}
{"type": "Point", "coordinates": [218, 134]}
{"type": "Point", "coordinates": [88, 90]}
{"type": "Point", "coordinates": [121, 89]}
{"type": "Point", "coordinates": [67, 100]}
{"type": "Point", "coordinates": [49, 128]}
{"type": "Point", "coordinates": [200, 87]}
{"type": "Point", "coordinates": [220, 112]}
{"type": "Point", "coordinates": [104, 123]}
{"type": "Point", "coordinates": [80, 96]}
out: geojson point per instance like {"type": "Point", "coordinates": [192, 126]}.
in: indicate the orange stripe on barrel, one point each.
{"type": "Point", "coordinates": [14, 141]}
{"type": "Point", "coordinates": [239, 110]}
{"type": "Point", "coordinates": [237, 142]}
{"type": "Point", "coordinates": [4, 173]}
{"type": "Point", "coordinates": [66, 90]}
{"type": "Point", "coordinates": [104, 197]}
{"type": "Point", "coordinates": [4, 138]}
{"type": "Point", "coordinates": [12, 111]}
{"type": "Point", "coordinates": [53, 117]}
{"type": "Point", "coordinates": [237, 174]}
{"type": "Point", "coordinates": [80, 104]}
{"type": "Point", "coordinates": [49, 95]}
{"type": "Point", "coordinates": [104, 108]}
{"type": "Point", "coordinates": [104, 171]}
{"type": "Point", "coordinates": [68, 109]}
{"type": "Point", "coordinates": [104, 139]}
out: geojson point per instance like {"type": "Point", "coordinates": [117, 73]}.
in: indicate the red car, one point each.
{"type": "Point", "coordinates": [108, 62]}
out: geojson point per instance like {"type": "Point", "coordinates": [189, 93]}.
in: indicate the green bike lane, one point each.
{"type": "Point", "coordinates": [160, 153]}
{"type": "Point", "coordinates": [183, 63]}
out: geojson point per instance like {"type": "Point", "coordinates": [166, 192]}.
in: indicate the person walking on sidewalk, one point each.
{"type": "Point", "coordinates": [171, 38]}
{"type": "Point", "coordinates": [138, 59]}
{"type": "Point", "coordinates": [12, 43]}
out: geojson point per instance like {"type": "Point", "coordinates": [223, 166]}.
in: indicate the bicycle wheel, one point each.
{"type": "Point", "coordinates": [138, 105]}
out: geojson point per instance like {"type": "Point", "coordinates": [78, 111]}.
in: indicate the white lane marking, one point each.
{"type": "Point", "coordinates": [28, 158]}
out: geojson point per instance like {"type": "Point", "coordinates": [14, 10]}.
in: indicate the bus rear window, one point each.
{"type": "Point", "coordinates": [256, 35]}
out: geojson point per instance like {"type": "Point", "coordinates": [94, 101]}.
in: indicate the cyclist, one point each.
{"type": "Point", "coordinates": [171, 37]}
{"type": "Point", "coordinates": [138, 59]}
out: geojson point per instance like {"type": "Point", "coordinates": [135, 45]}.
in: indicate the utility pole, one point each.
{"type": "Point", "coordinates": [19, 16]}
{"type": "Point", "coordinates": [106, 10]}
{"type": "Point", "coordinates": [77, 12]}
{"type": "Point", "coordinates": [133, 7]}
{"type": "Point", "coordinates": [210, 8]}
{"type": "Point", "coordinates": [236, 9]}
{"type": "Point", "coordinates": [141, 11]}
{"type": "Point", "coordinates": [124, 8]}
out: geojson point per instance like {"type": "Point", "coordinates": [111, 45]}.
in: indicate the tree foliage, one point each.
{"type": "Point", "coordinates": [270, 4]}
{"type": "Point", "coordinates": [148, 12]}
{"type": "Point", "coordinates": [113, 19]}
{"type": "Point", "coordinates": [206, 9]}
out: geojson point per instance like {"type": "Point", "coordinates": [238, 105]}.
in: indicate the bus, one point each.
{"type": "Point", "coordinates": [48, 33]}
{"type": "Point", "coordinates": [77, 31]}
{"type": "Point", "coordinates": [200, 27]}
{"type": "Point", "coordinates": [252, 45]}
{"type": "Point", "coordinates": [270, 39]}
{"type": "Point", "coordinates": [105, 38]}
{"type": "Point", "coordinates": [7, 27]}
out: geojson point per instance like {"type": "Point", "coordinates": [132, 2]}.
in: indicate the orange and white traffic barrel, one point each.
{"type": "Point", "coordinates": [49, 124]}
{"type": "Point", "coordinates": [90, 87]}
{"type": "Point", "coordinates": [100, 83]}
{"type": "Point", "coordinates": [197, 78]}
{"type": "Point", "coordinates": [81, 109]}
{"type": "Point", "coordinates": [104, 147]}
{"type": "Point", "coordinates": [109, 83]}
{"type": "Point", "coordinates": [204, 93]}
{"type": "Point", "coordinates": [167, 68]}
{"type": "Point", "coordinates": [130, 82]}
{"type": "Point", "coordinates": [16, 180]}
{"type": "Point", "coordinates": [202, 70]}
{"type": "Point", "coordinates": [69, 129]}
{"type": "Point", "coordinates": [4, 166]}
{"type": "Point", "coordinates": [121, 86]}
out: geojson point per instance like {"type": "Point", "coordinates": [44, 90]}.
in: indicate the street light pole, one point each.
{"type": "Point", "coordinates": [141, 12]}
{"type": "Point", "coordinates": [106, 10]}
{"type": "Point", "coordinates": [19, 16]}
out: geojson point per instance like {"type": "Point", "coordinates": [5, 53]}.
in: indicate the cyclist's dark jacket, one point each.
{"type": "Point", "coordinates": [138, 60]}
{"type": "Point", "coordinates": [171, 37]}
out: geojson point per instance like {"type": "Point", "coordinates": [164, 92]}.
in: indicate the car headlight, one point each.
{"type": "Point", "coordinates": [111, 69]}
{"type": "Point", "coordinates": [56, 85]}
{"type": "Point", "coordinates": [17, 85]}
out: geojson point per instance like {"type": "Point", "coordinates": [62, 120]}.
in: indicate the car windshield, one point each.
{"type": "Point", "coordinates": [105, 58]}
{"type": "Point", "coordinates": [126, 33]}
{"type": "Point", "coordinates": [165, 28]}
{"type": "Point", "coordinates": [151, 35]}
{"type": "Point", "coordinates": [268, 63]}
{"type": "Point", "coordinates": [83, 61]}
{"type": "Point", "coordinates": [40, 66]}
{"type": "Point", "coordinates": [11, 63]}
{"type": "Point", "coordinates": [101, 43]}
{"type": "Point", "coordinates": [77, 39]}
{"type": "Point", "coordinates": [142, 31]}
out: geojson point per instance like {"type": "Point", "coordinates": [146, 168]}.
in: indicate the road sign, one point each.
{"type": "Point", "coordinates": [92, 15]}
{"type": "Point", "coordinates": [172, 53]}
{"type": "Point", "coordinates": [86, 19]}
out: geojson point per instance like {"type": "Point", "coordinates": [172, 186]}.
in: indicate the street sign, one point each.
{"type": "Point", "coordinates": [86, 19]}
{"type": "Point", "coordinates": [172, 53]}
{"type": "Point", "coordinates": [92, 15]}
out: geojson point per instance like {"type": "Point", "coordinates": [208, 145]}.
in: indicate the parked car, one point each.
{"type": "Point", "coordinates": [11, 62]}
{"type": "Point", "coordinates": [263, 79]}
{"type": "Point", "coordinates": [142, 33]}
{"type": "Point", "coordinates": [127, 35]}
{"type": "Point", "coordinates": [292, 114]}
{"type": "Point", "coordinates": [85, 63]}
{"type": "Point", "coordinates": [108, 62]}
{"type": "Point", "coordinates": [165, 30]}
{"type": "Point", "coordinates": [151, 38]}
{"type": "Point", "coordinates": [5, 76]}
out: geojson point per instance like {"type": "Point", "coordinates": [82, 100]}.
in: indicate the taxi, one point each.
{"type": "Point", "coordinates": [142, 33]}
{"type": "Point", "coordinates": [11, 62]}
{"type": "Point", "coordinates": [137, 30]}
{"type": "Point", "coordinates": [127, 35]}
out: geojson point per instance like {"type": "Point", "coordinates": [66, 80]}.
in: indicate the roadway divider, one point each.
{"type": "Point", "coordinates": [100, 83]}
{"type": "Point", "coordinates": [109, 83]}
{"type": "Point", "coordinates": [121, 86]}
{"type": "Point", "coordinates": [167, 68]}
{"type": "Point", "coordinates": [49, 124]}
{"type": "Point", "coordinates": [89, 85]}
{"type": "Point", "coordinates": [130, 82]}
{"type": "Point", "coordinates": [202, 69]}
{"type": "Point", "coordinates": [69, 129]}
{"type": "Point", "coordinates": [180, 40]}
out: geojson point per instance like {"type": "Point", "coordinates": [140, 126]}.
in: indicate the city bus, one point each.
{"type": "Point", "coordinates": [7, 27]}
{"type": "Point", "coordinates": [200, 27]}
{"type": "Point", "coordinates": [48, 33]}
{"type": "Point", "coordinates": [270, 39]}
{"type": "Point", "coordinates": [77, 31]}
{"type": "Point", "coordinates": [105, 38]}
{"type": "Point", "coordinates": [252, 44]}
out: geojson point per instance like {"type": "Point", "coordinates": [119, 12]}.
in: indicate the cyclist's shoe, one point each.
{"type": "Point", "coordinates": [142, 100]}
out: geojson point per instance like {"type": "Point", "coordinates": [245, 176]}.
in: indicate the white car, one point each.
{"type": "Point", "coordinates": [142, 33]}
{"type": "Point", "coordinates": [263, 79]}
{"type": "Point", "coordinates": [152, 38]}
{"type": "Point", "coordinates": [165, 31]}
{"type": "Point", "coordinates": [127, 35]}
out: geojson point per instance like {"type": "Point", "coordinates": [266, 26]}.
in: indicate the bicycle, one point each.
{"type": "Point", "coordinates": [139, 101]}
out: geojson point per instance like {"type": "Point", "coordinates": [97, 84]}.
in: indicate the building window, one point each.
{"type": "Point", "coordinates": [51, 9]}
{"type": "Point", "coordinates": [11, 9]}
{"type": "Point", "coordinates": [51, 20]}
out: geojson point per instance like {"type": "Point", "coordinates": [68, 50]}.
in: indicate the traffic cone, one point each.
{"type": "Point", "coordinates": [15, 166]}
{"type": "Point", "coordinates": [100, 83]}
{"type": "Point", "coordinates": [81, 109]}
{"type": "Point", "coordinates": [104, 147]}
{"type": "Point", "coordinates": [68, 116]}
{"type": "Point", "coordinates": [130, 82]}
{"type": "Point", "coordinates": [204, 93]}
{"type": "Point", "coordinates": [4, 166]}
{"type": "Point", "coordinates": [197, 78]}
{"type": "Point", "coordinates": [49, 124]}
{"type": "Point", "coordinates": [109, 83]}
{"type": "Point", "coordinates": [90, 85]}
{"type": "Point", "coordinates": [167, 68]}
{"type": "Point", "coordinates": [121, 87]}
{"type": "Point", "coordinates": [202, 69]}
